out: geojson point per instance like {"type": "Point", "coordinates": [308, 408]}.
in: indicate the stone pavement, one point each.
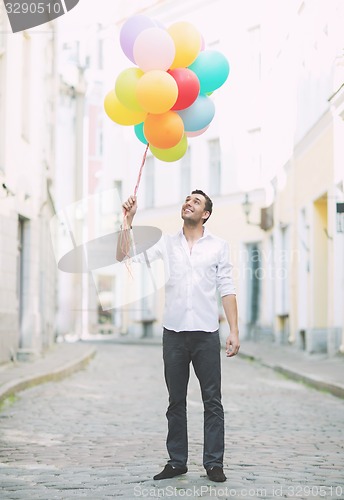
{"type": "Point", "coordinates": [317, 370]}
{"type": "Point", "coordinates": [100, 433]}
{"type": "Point", "coordinates": [59, 362]}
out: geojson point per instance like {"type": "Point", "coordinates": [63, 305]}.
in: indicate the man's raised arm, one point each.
{"type": "Point", "coordinates": [123, 244]}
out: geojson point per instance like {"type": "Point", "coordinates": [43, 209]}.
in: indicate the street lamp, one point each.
{"type": "Point", "coordinates": [247, 207]}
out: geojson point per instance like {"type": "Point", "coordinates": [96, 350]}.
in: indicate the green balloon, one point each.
{"type": "Point", "coordinates": [171, 154]}
{"type": "Point", "coordinates": [125, 87]}
{"type": "Point", "coordinates": [212, 70]}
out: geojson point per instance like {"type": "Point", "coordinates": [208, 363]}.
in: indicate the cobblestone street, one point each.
{"type": "Point", "coordinates": [101, 434]}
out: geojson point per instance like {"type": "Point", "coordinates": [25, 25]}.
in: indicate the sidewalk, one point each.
{"type": "Point", "coordinates": [317, 371]}
{"type": "Point", "coordinates": [59, 362]}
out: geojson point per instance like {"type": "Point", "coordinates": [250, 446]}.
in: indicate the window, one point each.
{"type": "Point", "coordinates": [118, 186]}
{"type": "Point", "coordinates": [253, 283]}
{"type": "Point", "coordinates": [106, 287]}
{"type": "Point", "coordinates": [2, 89]}
{"type": "Point", "coordinates": [26, 86]}
{"type": "Point", "coordinates": [255, 52]}
{"type": "Point", "coordinates": [214, 167]}
{"type": "Point", "coordinates": [285, 264]}
{"type": "Point", "coordinates": [2, 29]}
{"type": "Point", "coordinates": [255, 166]}
{"type": "Point", "coordinates": [150, 182]}
{"type": "Point", "coordinates": [185, 175]}
{"type": "Point", "coordinates": [99, 138]}
{"type": "Point", "coordinates": [23, 271]}
{"type": "Point", "coordinates": [100, 53]}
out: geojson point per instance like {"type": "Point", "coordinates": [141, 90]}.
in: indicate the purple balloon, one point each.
{"type": "Point", "coordinates": [130, 30]}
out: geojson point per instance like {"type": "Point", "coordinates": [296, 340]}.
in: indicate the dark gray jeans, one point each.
{"type": "Point", "coordinates": [203, 350]}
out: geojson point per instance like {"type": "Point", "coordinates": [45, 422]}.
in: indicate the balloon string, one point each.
{"type": "Point", "coordinates": [124, 235]}
{"type": "Point", "coordinates": [141, 168]}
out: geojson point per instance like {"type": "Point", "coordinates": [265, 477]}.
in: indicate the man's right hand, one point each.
{"type": "Point", "coordinates": [123, 243]}
{"type": "Point", "coordinates": [130, 207]}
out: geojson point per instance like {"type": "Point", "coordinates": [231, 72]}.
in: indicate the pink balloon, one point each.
{"type": "Point", "coordinates": [130, 30]}
{"type": "Point", "coordinates": [154, 49]}
{"type": "Point", "coordinates": [197, 133]}
{"type": "Point", "coordinates": [202, 43]}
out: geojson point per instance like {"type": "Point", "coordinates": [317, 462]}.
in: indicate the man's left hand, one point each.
{"type": "Point", "coordinates": [232, 345]}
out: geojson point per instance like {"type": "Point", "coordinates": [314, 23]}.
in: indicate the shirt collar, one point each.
{"type": "Point", "coordinates": [206, 233]}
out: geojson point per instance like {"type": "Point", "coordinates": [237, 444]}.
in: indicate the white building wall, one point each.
{"type": "Point", "coordinates": [27, 86]}
{"type": "Point", "coordinates": [65, 195]}
{"type": "Point", "coordinates": [9, 334]}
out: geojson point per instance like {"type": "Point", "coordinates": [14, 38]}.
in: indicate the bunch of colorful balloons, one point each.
{"type": "Point", "coordinates": [166, 94]}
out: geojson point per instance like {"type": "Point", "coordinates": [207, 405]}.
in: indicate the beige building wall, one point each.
{"type": "Point", "coordinates": [313, 164]}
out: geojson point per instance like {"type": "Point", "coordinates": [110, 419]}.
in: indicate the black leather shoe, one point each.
{"type": "Point", "coordinates": [170, 471]}
{"type": "Point", "coordinates": [216, 474]}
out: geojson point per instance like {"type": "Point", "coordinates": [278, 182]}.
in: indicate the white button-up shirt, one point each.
{"type": "Point", "coordinates": [193, 278]}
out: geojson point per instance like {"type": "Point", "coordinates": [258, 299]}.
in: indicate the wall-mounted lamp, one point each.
{"type": "Point", "coordinates": [247, 207]}
{"type": "Point", "coordinates": [5, 191]}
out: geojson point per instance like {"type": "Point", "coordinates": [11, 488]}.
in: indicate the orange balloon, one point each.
{"type": "Point", "coordinates": [163, 131]}
{"type": "Point", "coordinates": [119, 113]}
{"type": "Point", "coordinates": [156, 91]}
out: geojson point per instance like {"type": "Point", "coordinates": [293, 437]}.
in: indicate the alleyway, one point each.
{"type": "Point", "coordinates": [100, 434]}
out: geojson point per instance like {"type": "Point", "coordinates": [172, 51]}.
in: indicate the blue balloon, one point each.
{"type": "Point", "coordinates": [138, 129]}
{"type": "Point", "coordinates": [212, 70]}
{"type": "Point", "coordinates": [198, 115]}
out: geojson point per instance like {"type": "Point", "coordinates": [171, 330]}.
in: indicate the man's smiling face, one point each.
{"type": "Point", "coordinates": [193, 209]}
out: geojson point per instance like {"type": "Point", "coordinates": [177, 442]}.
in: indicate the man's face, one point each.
{"type": "Point", "coordinates": [193, 209]}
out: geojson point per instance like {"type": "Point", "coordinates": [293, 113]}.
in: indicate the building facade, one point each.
{"type": "Point", "coordinates": [274, 143]}
{"type": "Point", "coordinates": [271, 160]}
{"type": "Point", "coordinates": [309, 175]}
{"type": "Point", "coordinates": [27, 116]}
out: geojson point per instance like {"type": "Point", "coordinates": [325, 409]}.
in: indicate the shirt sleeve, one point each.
{"type": "Point", "coordinates": [224, 278]}
{"type": "Point", "coordinates": [150, 255]}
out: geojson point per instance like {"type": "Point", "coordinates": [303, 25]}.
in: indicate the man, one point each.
{"type": "Point", "coordinates": [198, 265]}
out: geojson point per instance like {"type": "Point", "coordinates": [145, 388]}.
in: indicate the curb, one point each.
{"type": "Point", "coordinates": [11, 388]}
{"type": "Point", "coordinates": [320, 385]}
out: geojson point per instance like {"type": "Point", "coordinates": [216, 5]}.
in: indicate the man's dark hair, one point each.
{"type": "Point", "coordinates": [208, 202]}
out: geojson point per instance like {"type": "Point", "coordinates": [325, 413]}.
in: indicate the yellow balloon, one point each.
{"type": "Point", "coordinates": [171, 154]}
{"type": "Point", "coordinates": [187, 40]}
{"type": "Point", "coordinates": [156, 91]}
{"type": "Point", "coordinates": [119, 113]}
{"type": "Point", "coordinates": [125, 88]}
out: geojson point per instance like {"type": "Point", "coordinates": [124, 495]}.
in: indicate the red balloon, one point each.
{"type": "Point", "coordinates": [188, 87]}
